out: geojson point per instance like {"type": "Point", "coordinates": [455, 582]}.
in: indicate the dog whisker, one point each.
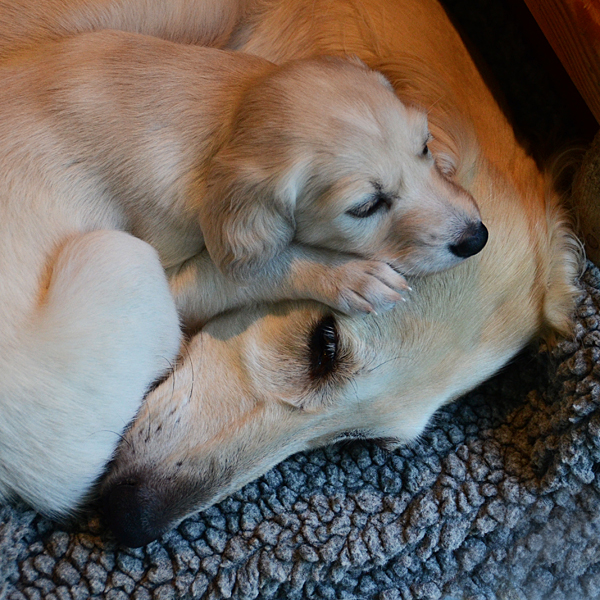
{"type": "Point", "coordinates": [385, 362]}
{"type": "Point", "coordinates": [193, 378]}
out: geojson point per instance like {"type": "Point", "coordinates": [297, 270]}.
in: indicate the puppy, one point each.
{"type": "Point", "coordinates": [123, 155]}
{"type": "Point", "coordinates": [244, 165]}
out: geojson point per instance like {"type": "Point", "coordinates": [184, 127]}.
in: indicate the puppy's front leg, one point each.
{"type": "Point", "coordinates": [347, 283]}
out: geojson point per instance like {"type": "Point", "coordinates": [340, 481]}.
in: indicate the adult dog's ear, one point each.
{"type": "Point", "coordinates": [247, 217]}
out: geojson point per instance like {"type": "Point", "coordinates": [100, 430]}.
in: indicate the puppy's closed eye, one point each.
{"type": "Point", "coordinates": [426, 151]}
{"type": "Point", "coordinates": [376, 203]}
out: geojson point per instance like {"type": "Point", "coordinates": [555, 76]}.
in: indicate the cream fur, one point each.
{"type": "Point", "coordinates": [251, 390]}
{"type": "Point", "coordinates": [246, 395]}
{"type": "Point", "coordinates": [240, 184]}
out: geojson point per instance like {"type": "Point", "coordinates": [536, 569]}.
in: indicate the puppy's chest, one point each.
{"type": "Point", "coordinates": [175, 240]}
{"type": "Point", "coordinates": [162, 211]}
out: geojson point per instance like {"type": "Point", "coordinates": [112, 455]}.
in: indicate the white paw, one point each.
{"type": "Point", "coordinates": [366, 286]}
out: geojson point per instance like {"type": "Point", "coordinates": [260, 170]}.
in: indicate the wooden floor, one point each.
{"type": "Point", "coordinates": [572, 28]}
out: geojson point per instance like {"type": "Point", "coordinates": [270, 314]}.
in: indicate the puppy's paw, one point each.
{"type": "Point", "coordinates": [367, 286]}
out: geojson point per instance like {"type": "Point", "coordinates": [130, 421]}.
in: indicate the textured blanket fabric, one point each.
{"type": "Point", "coordinates": [499, 499]}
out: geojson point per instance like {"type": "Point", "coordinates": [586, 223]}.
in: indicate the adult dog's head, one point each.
{"type": "Point", "coordinates": [323, 152]}
{"type": "Point", "coordinates": [260, 384]}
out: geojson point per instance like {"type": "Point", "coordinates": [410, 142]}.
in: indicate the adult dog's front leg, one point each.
{"type": "Point", "coordinates": [344, 282]}
{"type": "Point", "coordinates": [104, 330]}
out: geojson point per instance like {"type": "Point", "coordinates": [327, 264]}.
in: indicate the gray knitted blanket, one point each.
{"type": "Point", "coordinates": [499, 499]}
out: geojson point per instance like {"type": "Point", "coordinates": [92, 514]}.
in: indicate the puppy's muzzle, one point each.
{"type": "Point", "coordinates": [471, 241]}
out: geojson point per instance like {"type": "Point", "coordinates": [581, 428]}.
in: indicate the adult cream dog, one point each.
{"type": "Point", "coordinates": [187, 148]}
{"type": "Point", "coordinates": [258, 385]}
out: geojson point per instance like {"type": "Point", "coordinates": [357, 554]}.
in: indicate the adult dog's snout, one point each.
{"type": "Point", "coordinates": [134, 513]}
{"type": "Point", "coordinates": [471, 241]}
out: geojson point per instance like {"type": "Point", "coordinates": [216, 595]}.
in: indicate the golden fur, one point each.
{"type": "Point", "coordinates": [258, 384]}
{"type": "Point", "coordinates": [244, 190]}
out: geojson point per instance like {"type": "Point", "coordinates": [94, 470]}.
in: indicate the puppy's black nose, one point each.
{"type": "Point", "coordinates": [472, 241]}
{"type": "Point", "coordinates": [133, 514]}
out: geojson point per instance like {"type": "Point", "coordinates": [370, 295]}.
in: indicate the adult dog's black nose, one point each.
{"type": "Point", "coordinates": [133, 513]}
{"type": "Point", "coordinates": [472, 241]}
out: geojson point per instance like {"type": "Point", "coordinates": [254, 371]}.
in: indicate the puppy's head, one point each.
{"type": "Point", "coordinates": [324, 153]}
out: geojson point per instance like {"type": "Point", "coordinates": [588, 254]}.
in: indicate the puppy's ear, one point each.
{"type": "Point", "coordinates": [247, 218]}
{"type": "Point", "coordinates": [356, 60]}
